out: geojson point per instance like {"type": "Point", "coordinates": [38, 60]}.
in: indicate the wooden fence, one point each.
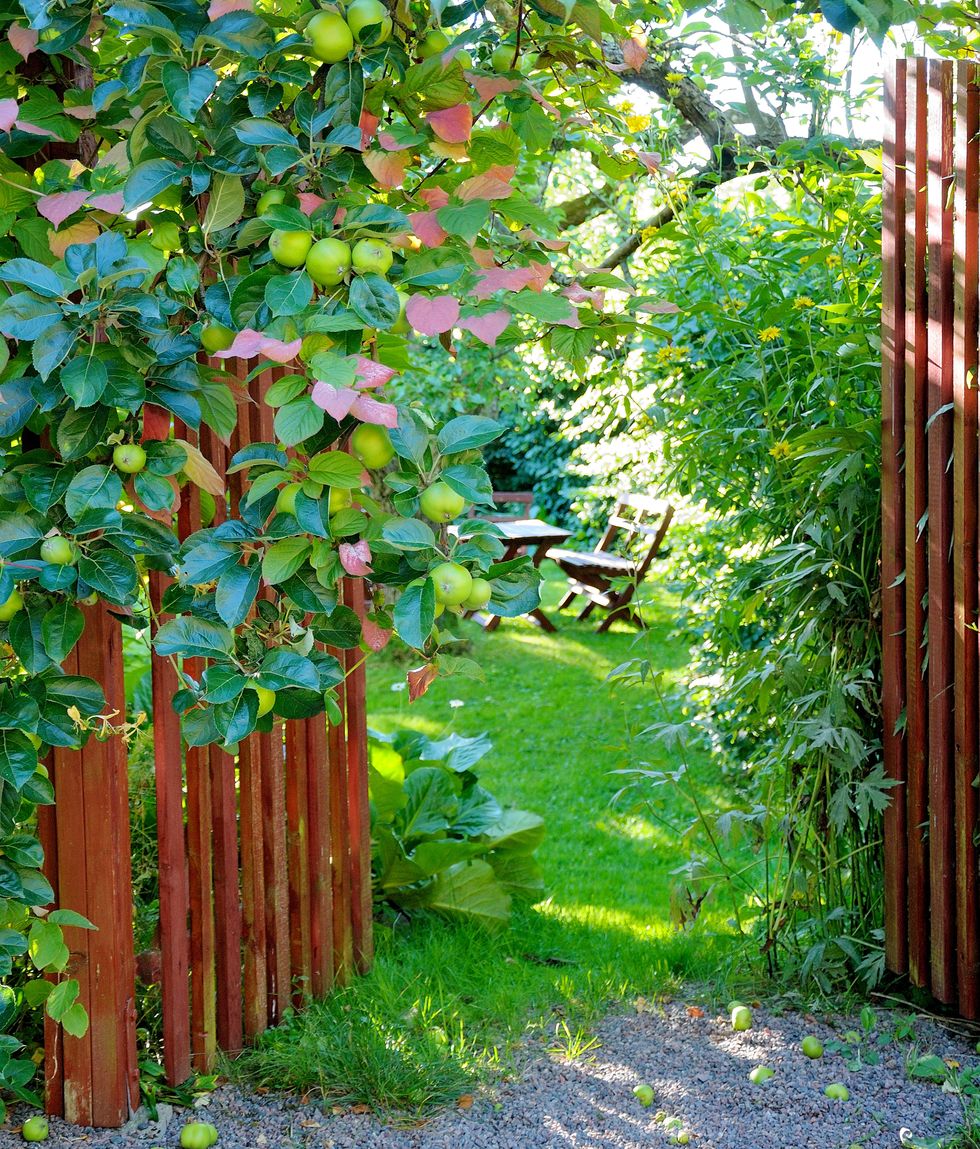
{"type": "Point", "coordinates": [929, 503]}
{"type": "Point", "coordinates": [264, 863]}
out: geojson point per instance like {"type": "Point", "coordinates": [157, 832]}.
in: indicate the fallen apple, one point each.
{"type": "Point", "coordinates": [837, 1092]}
{"type": "Point", "coordinates": [198, 1135]}
{"type": "Point", "coordinates": [761, 1074]}
{"type": "Point", "coordinates": [741, 1018]}
{"type": "Point", "coordinates": [644, 1094]}
{"type": "Point", "coordinates": [812, 1047]}
{"type": "Point", "coordinates": [35, 1129]}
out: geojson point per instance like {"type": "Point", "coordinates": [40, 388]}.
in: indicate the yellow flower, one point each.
{"type": "Point", "coordinates": [833, 260]}
{"type": "Point", "coordinates": [780, 450]}
{"type": "Point", "coordinates": [673, 77]}
{"type": "Point", "coordinates": [768, 334]}
{"type": "Point", "coordinates": [666, 355]}
{"type": "Point", "coordinates": [802, 301]}
{"type": "Point", "coordinates": [757, 230]}
{"type": "Point", "coordinates": [637, 123]}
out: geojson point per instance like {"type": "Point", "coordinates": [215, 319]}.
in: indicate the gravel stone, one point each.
{"type": "Point", "coordinates": [697, 1066]}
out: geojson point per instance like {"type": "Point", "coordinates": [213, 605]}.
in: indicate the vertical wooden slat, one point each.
{"type": "Point", "coordinates": [321, 889]}
{"type": "Point", "coordinates": [916, 556]}
{"type": "Point", "coordinates": [358, 813]}
{"type": "Point", "coordinates": [171, 843]}
{"type": "Point", "coordinates": [298, 845]}
{"type": "Point", "coordinates": [224, 842]}
{"type": "Point", "coordinates": [199, 856]}
{"type": "Point", "coordinates": [966, 272]}
{"type": "Point", "coordinates": [940, 501]}
{"type": "Point", "coordinates": [343, 941]}
{"type": "Point", "coordinates": [272, 782]}
{"type": "Point", "coordinates": [54, 1069]}
{"type": "Point", "coordinates": [893, 512]}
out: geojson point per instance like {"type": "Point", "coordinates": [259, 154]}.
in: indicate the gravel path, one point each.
{"type": "Point", "coordinates": [696, 1064]}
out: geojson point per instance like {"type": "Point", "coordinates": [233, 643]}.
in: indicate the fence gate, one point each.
{"type": "Point", "coordinates": [264, 864]}
{"type": "Point", "coordinates": [929, 505]}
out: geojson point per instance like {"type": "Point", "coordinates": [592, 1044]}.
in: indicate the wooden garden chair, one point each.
{"type": "Point", "coordinates": [508, 500]}
{"type": "Point", "coordinates": [592, 574]}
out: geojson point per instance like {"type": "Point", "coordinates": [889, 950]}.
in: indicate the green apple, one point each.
{"type": "Point", "coordinates": [286, 500]}
{"type": "Point", "coordinates": [682, 1138]}
{"type": "Point", "coordinates": [35, 1129]}
{"type": "Point", "coordinates": [216, 337]}
{"type": "Point", "coordinates": [89, 599]}
{"type": "Point", "coordinates": [812, 1047]}
{"type": "Point", "coordinates": [130, 458]}
{"type": "Point", "coordinates": [266, 699]}
{"type": "Point", "coordinates": [761, 1074]}
{"type": "Point", "coordinates": [372, 445]}
{"type": "Point", "coordinates": [401, 326]}
{"type": "Point", "coordinates": [328, 262]}
{"type": "Point", "coordinates": [479, 596]}
{"type": "Point", "coordinates": [735, 1004]}
{"type": "Point", "coordinates": [837, 1092]}
{"type": "Point", "coordinates": [644, 1094]}
{"type": "Point", "coordinates": [440, 503]}
{"type": "Point", "coordinates": [58, 551]}
{"type": "Point", "coordinates": [453, 583]}
{"type": "Point", "coordinates": [339, 499]}
{"type": "Point", "coordinates": [368, 15]}
{"type": "Point", "coordinates": [331, 37]}
{"type": "Point", "coordinates": [290, 248]}
{"type": "Point", "coordinates": [464, 59]}
{"type": "Point", "coordinates": [269, 199]}
{"type": "Point", "coordinates": [433, 43]}
{"type": "Point", "coordinates": [34, 740]}
{"type": "Point", "coordinates": [741, 1018]}
{"type": "Point", "coordinates": [371, 255]}
{"type": "Point", "coordinates": [502, 59]}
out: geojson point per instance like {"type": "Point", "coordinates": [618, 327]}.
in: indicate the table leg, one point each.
{"type": "Point", "coordinates": [492, 621]}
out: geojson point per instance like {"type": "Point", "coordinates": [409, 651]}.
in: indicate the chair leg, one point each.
{"type": "Point", "coordinates": [586, 611]}
{"type": "Point", "coordinates": [567, 600]}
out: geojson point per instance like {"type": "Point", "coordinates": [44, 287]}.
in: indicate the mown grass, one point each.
{"type": "Point", "coordinates": [446, 1003]}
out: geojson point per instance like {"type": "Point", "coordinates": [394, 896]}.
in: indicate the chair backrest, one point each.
{"type": "Point", "coordinates": [650, 518]}
{"type": "Point", "coordinates": [524, 499]}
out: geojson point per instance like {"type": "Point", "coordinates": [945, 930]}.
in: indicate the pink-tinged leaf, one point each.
{"type": "Point", "coordinates": [548, 107]}
{"type": "Point", "coordinates": [390, 142]}
{"type": "Point", "coordinates": [432, 316]}
{"type": "Point", "coordinates": [22, 40]}
{"type": "Point", "coordinates": [634, 54]}
{"type": "Point", "coordinates": [34, 129]}
{"type": "Point", "coordinates": [538, 275]}
{"type": "Point", "coordinates": [420, 679]}
{"type": "Point", "coordinates": [111, 202]}
{"type": "Point", "coordinates": [534, 276]}
{"type": "Point", "coordinates": [434, 198]}
{"type": "Point", "coordinates": [664, 308]}
{"type": "Point", "coordinates": [427, 228]}
{"type": "Point", "coordinates": [482, 256]}
{"type": "Point", "coordinates": [487, 328]}
{"type": "Point", "coordinates": [368, 123]}
{"type": "Point", "coordinates": [370, 410]}
{"type": "Point", "coordinates": [579, 294]}
{"type": "Point", "coordinates": [376, 637]}
{"type": "Point", "coordinates": [452, 124]}
{"type": "Point", "coordinates": [650, 160]}
{"type": "Point", "coordinates": [355, 558]}
{"type": "Point", "coordinates": [60, 205]}
{"type": "Point", "coordinates": [494, 183]}
{"type": "Point", "coordinates": [218, 8]}
{"type": "Point", "coordinates": [571, 321]}
{"type": "Point", "coordinates": [309, 202]}
{"type": "Point", "coordinates": [81, 112]}
{"type": "Point", "coordinates": [489, 87]}
{"type": "Point", "coordinates": [388, 168]}
{"type": "Point", "coordinates": [251, 344]}
{"type": "Point", "coordinates": [8, 114]}
{"type": "Point", "coordinates": [550, 244]}
{"type": "Point", "coordinates": [85, 231]}
{"type": "Point", "coordinates": [371, 374]}
{"type": "Point", "coordinates": [337, 402]}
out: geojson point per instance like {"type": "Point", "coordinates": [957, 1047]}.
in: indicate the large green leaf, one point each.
{"type": "Point", "coordinates": [470, 890]}
{"type": "Point", "coordinates": [193, 637]}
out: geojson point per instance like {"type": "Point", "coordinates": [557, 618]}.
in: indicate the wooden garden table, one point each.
{"type": "Point", "coordinates": [538, 537]}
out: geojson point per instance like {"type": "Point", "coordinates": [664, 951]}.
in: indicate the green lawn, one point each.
{"type": "Point", "coordinates": [447, 1002]}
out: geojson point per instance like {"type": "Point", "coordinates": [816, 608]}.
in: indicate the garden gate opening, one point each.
{"type": "Point", "coordinates": [264, 862]}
